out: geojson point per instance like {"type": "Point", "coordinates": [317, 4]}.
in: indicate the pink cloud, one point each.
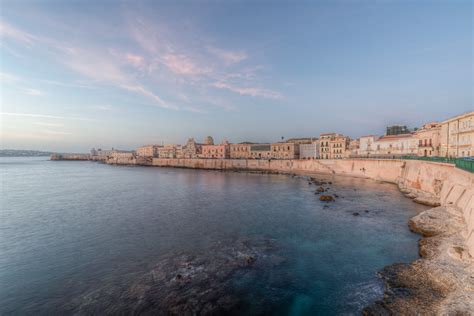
{"type": "Point", "coordinates": [228, 57]}
{"type": "Point", "coordinates": [251, 91]}
{"type": "Point", "coordinates": [134, 59]}
{"type": "Point", "coordinates": [182, 65]}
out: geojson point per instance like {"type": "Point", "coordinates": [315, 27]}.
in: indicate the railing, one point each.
{"type": "Point", "coordinates": [461, 163]}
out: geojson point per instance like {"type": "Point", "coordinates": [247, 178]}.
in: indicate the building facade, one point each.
{"type": "Point", "coordinates": [391, 146]}
{"type": "Point", "coordinates": [191, 149]}
{"type": "Point", "coordinates": [240, 151]}
{"type": "Point", "coordinates": [354, 148]}
{"type": "Point", "coordinates": [333, 146]}
{"type": "Point", "coordinates": [457, 136]}
{"type": "Point", "coordinates": [429, 140]}
{"type": "Point", "coordinates": [285, 150]}
{"type": "Point", "coordinates": [260, 151]}
{"type": "Point", "coordinates": [309, 151]}
{"type": "Point", "coordinates": [221, 151]}
{"type": "Point", "coordinates": [147, 151]}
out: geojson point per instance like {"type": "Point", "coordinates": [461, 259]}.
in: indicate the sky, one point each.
{"type": "Point", "coordinates": [82, 74]}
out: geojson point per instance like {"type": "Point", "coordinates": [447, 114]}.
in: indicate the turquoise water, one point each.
{"type": "Point", "coordinates": [83, 237]}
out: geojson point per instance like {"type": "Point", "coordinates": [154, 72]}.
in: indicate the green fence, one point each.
{"type": "Point", "coordinates": [460, 163]}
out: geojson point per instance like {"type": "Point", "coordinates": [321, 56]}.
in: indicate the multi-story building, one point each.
{"type": "Point", "coordinates": [333, 146]}
{"type": "Point", "coordinates": [191, 149]}
{"type": "Point", "coordinates": [310, 150]}
{"type": "Point", "coordinates": [354, 148]}
{"type": "Point", "coordinates": [396, 146]}
{"type": "Point", "coordinates": [457, 136]}
{"type": "Point", "coordinates": [285, 150]}
{"type": "Point", "coordinates": [324, 145]}
{"type": "Point", "coordinates": [367, 145]}
{"type": "Point", "coordinates": [397, 130]}
{"type": "Point", "coordinates": [167, 151]}
{"type": "Point", "coordinates": [429, 140]}
{"type": "Point", "coordinates": [221, 151]}
{"type": "Point", "coordinates": [340, 146]}
{"type": "Point", "coordinates": [260, 151]}
{"type": "Point", "coordinates": [147, 151]}
{"type": "Point", "coordinates": [240, 151]}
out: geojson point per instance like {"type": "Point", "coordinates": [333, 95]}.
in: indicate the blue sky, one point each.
{"type": "Point", "coordinates": [82, 74]}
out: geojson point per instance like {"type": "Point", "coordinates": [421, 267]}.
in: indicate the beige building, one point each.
{"type": "Point", "coordinates": [457, 136]}
{"type": "Point", "coordinates": [167, 151]}
{"type": "Point", "coordinates": [333, 146]}
{"type": "Point", "coordinates": [221, 151]}
{"type": "Point", "coordinates": [147, 151]}
{"type": "Point", "coordinates": [260, 151]}
{"type": "Point", "coordinates": [396, 145]}
{"type": "Point", "coordinates": [354, 148]}
{"type": "Point", "coordinates": [240, 151]}
{"type": "Point", "coordinates": [191, 149]}
{"type": "Point", "coordinates": [285, 150]}
{"type": "Point", "coordinates": [429, 140]}
{"type": "Point", "coordinates": [310, 151]}
{"type": "Point", "coordinates": [367, 146]}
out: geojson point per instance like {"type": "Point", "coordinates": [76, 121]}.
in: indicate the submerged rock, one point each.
{"type": "Point", "coordinates": [183, 284]}
{"type": "Point", "coordinates": [326, 198]}
{"type": "Point", "coordinates": [320, 190]}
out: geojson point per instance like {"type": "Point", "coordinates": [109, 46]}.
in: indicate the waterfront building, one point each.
{"type": "Point", "coordinates": [191, 149]}
{"type": "Point", "coordinates": [397, 130]}
{"type": "Point", "coordinates": [285, 150]}
{"type": "Point", "coordinates": [340, 146]}
{"type": "Point", "coordinates": [240, 151]}
{"type": "Point", "coordinates": [333, 146]}
{"type": "Point", "coordinates": [457, 136]}
{"type": "Point", "coordinates": [354, 148]}
{"type": "Point", "coordinates": [121, 157]}
{"type": "Point", "coordinates": [309, 151]}
{"type": "Point", "coordinates": [147, 151]}
{"type": "Point", "coordinates": [367, 145]}
{"type": "Point", "coordinates": [101, 154]}
{"type": "Point", "coordinates": [391, 146]}
{"type": "Point", "coordinates": [429, 140]}
{"type": "Point", "coordinates": [209, 140]}
{"type": "Point", "coordinates": [167, 151]}
{"type": "Point", "coordinates": [221, 151]}
{"type": "Point", "coordinates": [260, 151]}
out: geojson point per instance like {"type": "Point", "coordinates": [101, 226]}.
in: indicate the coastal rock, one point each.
{"type": "Point", "coordinates": [441, 282]}
{"type": "Point", "coordinates": [326, 198]}
{"type": "Point", "coordinates": [426, 200]}
{"type": "Point", "coordinates": [320, 190]}
{"type": "Point", "coordinates": [184, 284]}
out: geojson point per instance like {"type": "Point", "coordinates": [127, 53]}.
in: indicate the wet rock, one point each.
{"type": "Point", "coordinates": [429, 201]}
{"type": "Point", "coordinates": [326, 198]}
{"type": "Point", "coordinates": [356, 214]}
{"type": "Point", "coordinates": [184, 284]}
{"type": "Point", "coordinates": [441, 282]}
{"type": "Point", "coordinates": [366, 211]}
{"type": "Point", "coordinates": [336, 196]}
{"type": "Point", "coordinates": [320, 190]}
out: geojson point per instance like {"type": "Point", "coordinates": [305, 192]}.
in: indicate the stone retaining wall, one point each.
{"type": "Point", "coordinates": [436, 183]}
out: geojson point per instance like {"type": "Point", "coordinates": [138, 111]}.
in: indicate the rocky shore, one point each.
{"type": "Point", "coordinates": [441, 282]}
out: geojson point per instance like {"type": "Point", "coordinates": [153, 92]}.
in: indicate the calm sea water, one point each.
{"type": "Point", "coordinates": [76, 235]}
